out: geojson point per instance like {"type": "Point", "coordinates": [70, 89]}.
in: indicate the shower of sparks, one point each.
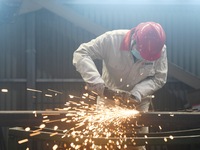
{"type": "Point", "coordinates": [90, 122]}
{"type": "Point", "coordinates": [107, 122]}
{"type": "Point", "coordinates": [42, 126]}
{"type": "Point", "coordinates": [55, 127]}
{"type": "Point", "coordinates": [4, 90]}
{"type": "Point", "coordinates": [48, 95]}
{"type": "Point", "coordinates": [34, 133]}
{"type": "Point", "coordinates": [84, 122]}
{"type": "Point", "coordinates": [165, 139]}
{"type": "Point", "coordinates": [23, 141]}
{"type": "Point", "coordinates": [35, 113]}
{"type": "Point", "coordinates": [34, 90]}
{"type": "Point", "coordinates": [53, 134]}
{"type": "Point", "coordinates": [171, 137]}
{"type": "Point", "coordinates": [27, 129]}
{"type": "Point", "coordinates": [55, 147]}
{"type": "Point", "coordinates": [55, 91]}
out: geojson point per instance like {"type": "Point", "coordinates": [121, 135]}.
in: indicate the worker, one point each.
{"type": "Point", "coordinates": [133, 60]}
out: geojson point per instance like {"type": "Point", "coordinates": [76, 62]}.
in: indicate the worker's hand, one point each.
{"type": "Point", "coordinates": [122, 98]}
{"type": "Point", "coordinates": [127, 99]}
{"type": "Point", "coordinates": [111, 95]}
{"type": "Point", "coordinates": [96, 88]}
{"type": "Point", "coordinates": [131, 100]}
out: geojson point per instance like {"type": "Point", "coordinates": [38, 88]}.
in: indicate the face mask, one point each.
{"type": "Point", "coordinates": [136, 54]}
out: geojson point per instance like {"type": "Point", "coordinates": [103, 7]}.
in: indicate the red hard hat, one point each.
{"type": "Point", "coordinates": [150, 39]}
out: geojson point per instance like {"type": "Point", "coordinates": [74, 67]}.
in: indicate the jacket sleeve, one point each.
{"type": "Point", "coordinates": [83, 59]}
{"type": "Point", "coordinates": [151, 84]}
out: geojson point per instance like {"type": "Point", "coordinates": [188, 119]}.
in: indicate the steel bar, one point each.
{"type": "Point", "coordinates": [160, 139]}
{"type": "Point", "coordinates": [35, 118]}
{"type": "Point", "coordinates": [24, 118]}
{"type": "Point", "coordinates": [168, 120]}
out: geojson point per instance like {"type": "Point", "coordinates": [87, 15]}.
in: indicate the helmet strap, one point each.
{"type": "Point", "coordinates": [132, 43]}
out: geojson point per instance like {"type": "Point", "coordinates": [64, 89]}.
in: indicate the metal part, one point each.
{"type": "Point", "coordinates": [177, 122]}
{"type": "Point", "coordinates": [170, 120]}
{"type": "Point", "coordinates": [165, 138]}
{"type": "Point", "coordinates": [26, 118]}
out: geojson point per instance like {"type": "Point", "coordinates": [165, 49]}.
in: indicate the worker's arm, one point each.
{"type": "Point", "coordinates": [83, 61]}
{"type": "Point", "coordinates": [151, 84]}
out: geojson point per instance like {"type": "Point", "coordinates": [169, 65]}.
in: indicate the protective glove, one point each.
{"type": "Point", "coordinates": [122, 98]}
{"type": "Point", "coordinates": [111, 95]}
{"type": "Point", "coordinates": [96, 88]}
{"type": "Point", "coordinates": [130, 100]}
{"type": "Point", "coordinates": [127, 99]}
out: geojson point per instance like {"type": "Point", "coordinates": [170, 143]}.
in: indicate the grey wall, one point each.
{"type": "Point", "coordinates": [37, 47]}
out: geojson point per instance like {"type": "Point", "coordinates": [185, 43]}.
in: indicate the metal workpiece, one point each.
{"type": "Point", "coordinates": [172, 120]}
{"type": "Point", "coordinates": [162, 138]}
{"type": "Point", "coordinates": [168, 128]}
{"type": "Point", "coordinates": [169, 121]}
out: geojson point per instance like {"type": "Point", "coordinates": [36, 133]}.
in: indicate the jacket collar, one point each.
{"type": "Point", "coordinates": [125, 45]}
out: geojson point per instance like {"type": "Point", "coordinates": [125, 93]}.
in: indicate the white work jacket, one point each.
{"type": "Point", "coordinates": [120, 70]}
